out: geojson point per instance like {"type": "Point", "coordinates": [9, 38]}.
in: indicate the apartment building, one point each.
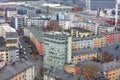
{"type": "Point", "coordinates": [103, 28]}
{"type": "Point", "coordinates": [79, 43]}
{"type": "Point", "coordinates": [79, 32]}
{"type": "Point", "coordinates": [83, 54]}
{"type": "Point", "coordinates": [112, 37]}
{"type": "Point", "coordinates": [3, 50]}
{"type": "Point", "coordinates": [36, 36]}
{"type": "Point", "coordinates": [59, 75]}
{"type": "Point", "coordinates": [109, 69]}
{"type": "Point", "coordinates": [8, 54]}
{"type": "Point", "coordinates": [89, 26]}
{"type": "Point", "coordinates": [94, 41]}
{"type": "Point", "coordinates": [9, 34]}
{"type": "Point", "coordinates": [13, 54]}
{"type": "Point", "coordinates": [18, 21]}
{"type": "Point", "coordinates": [18, 71]}
{"type": "Point", "coordinates": [57, 49]}
{"type": "Point", "coordinates": [4, 54]}
{"type": "Point", "coordinates": [10, 12]}
{"type": "Point", "coordinates": [37, 20]}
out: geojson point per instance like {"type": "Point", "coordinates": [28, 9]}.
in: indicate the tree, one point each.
{"type": "Point", "coordinates": [104, 57]}
{"type": "Point", "coordinates": [88, 72]}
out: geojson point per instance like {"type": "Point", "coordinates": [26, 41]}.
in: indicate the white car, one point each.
{"type": "Point", "coordinates": [24, 52]}
{"type": "Point", "coordinates": [23, 48]}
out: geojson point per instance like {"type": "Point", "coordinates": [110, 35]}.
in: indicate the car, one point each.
{"type": "Point", "coordinates": [23, 48]}
{"type": "Point", "coordinates": [24, 53]}
{"type": "Point", "coordinates": [29, 46]}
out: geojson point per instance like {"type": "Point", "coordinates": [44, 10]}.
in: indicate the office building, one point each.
{"type": "Point", "coordinates": [18, 21]}
{"type": "Point", "coordinates": [103, 4]}
{"type": "Point", "coordinates": [57, 50]}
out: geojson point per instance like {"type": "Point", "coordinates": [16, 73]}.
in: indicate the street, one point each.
{"type": "Point", "coordinates": [24, 54]}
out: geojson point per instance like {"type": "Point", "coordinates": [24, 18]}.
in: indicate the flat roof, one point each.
{"type": "Point", "coordinates": [92, 37]}
{"type": "Point", "coordinates": [80, 29]}
{"type": "Point", "coordinates": [56, 5]}
{"type": "Point", "coordinates": [3, 48]}
{"type": "Point", "coordinates": [57, 34]}
{"type": "Point", "coordinates": [7, 27]}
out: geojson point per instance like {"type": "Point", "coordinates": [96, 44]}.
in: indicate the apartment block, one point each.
{"type": "Point", "coordinates": [83, 54]}
{"type": "Point", "coordinates": [9, 34]}
{"type": "Point", "coordinates": [79, 32]}
{"type": "Point", "coordinates": [112, 37]}
{"type": "Point", "coordinates": [4, 54]}
{"type": "Point", "coordinates": [59, 75]}
{"type": "Point", "coordinates": [8, 54]}
{"type": "Point", "coordinates": [36, 36]}
{"type": "Point", "coordinates": [109, 69]}
{"type": "Point", "coordinates": [24, 71]}
{"type": "Point", "coordinates": [18, 21]}
{"type": "Point", "coordinates": [57, 49]}
{"type": "Point", "coordinates": [94, 41]}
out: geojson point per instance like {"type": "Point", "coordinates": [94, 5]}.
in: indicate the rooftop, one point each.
{"type": "Point", "coordinates": [83, 51]}
{"type": "Point", "coordinates": [60, 75]}
{"type": "Point", "coordinates": [3, 48]}
{"type": "Point", "coordinates": [13, 69]}
{"type": "Point", "coordinates": [86, 38]}
{"type": "Point", "coordinates": [80, 29]}
{"type": "Point", "coordinates": [55, 5]}
{"type": "Point", "coordinates": [37, 32]}
{"type": "Point", "coordinates": [101, 66]}
{"type": "Point", "coordinates": [105, 25]}
{"type": "Point", "coordinates": [57, 34]}
{"type": "Point", "coordinates": [7, 28]}
{"type": "Point", "coordinates": [113, 50]}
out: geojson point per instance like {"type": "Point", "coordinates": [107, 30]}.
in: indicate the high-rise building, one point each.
{"type": "Point", "coordinates": [96, 4]}
{"type": "Point", "coordinates": [57, 50]}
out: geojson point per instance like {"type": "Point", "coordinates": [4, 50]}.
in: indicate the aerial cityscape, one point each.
{"type": "Point", "coordinates": [59, 39]}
